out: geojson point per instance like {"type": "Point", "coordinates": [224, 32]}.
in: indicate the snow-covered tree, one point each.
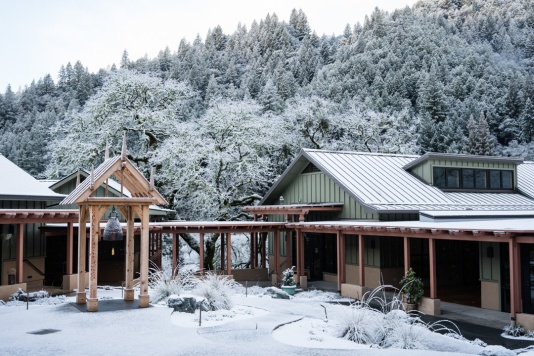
{"type": "Point", "coordinates": [139, 104]}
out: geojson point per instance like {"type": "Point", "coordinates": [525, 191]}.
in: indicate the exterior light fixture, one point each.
{"type": "Point", "coordinates": [281, 200]}
{"type": "Point", "coordinates": [10, 232]}
{"type": "Point", "coordinates": [113, 230]}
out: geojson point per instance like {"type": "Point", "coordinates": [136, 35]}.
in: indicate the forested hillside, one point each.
{"type": "Point", "coordinates": [222, 116]}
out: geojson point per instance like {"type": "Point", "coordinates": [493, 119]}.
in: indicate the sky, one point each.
{"type": "Point", "coordinates": [38, 36]}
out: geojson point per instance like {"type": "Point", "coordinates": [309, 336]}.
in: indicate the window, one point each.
{"type": "Point", "coordinates": [472, 178]}
{"type": "Point", "coordinates": [351, 249]}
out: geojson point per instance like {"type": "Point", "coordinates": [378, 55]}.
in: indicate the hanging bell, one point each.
{"type": "Point", "coordinates": [113, 230]}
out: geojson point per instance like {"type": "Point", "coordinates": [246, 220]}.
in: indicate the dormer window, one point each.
{"type": "Point", "coordinates": [472, 179]}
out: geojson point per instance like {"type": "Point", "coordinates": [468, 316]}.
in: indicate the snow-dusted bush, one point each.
{"type": "Point", "coordinates": [380, 320]}
{"type": "Point", "coordinates": [515, 331]}
{"type": "Point", "coordinates": [362, 325]}
{"type": "Point", "coordinates": [22, 296]}
{"type": "Point", "coordinates": [217, 290]}
{"type": "Point", "coordinates": [164, 283]}
{"type": "Point", "coordinates": [288, 277]}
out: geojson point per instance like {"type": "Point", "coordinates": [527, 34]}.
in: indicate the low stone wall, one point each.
{"type": "Point", "coordinates": [7, 290]}
{"type": "Point", "coordinates": [525, 320]}
{"type": "Point", "coordinates": [489, 293]}
{"type": "Point", "coordinates": [353, 291]}
{"type": "Point", "coordinates": [430, 306]}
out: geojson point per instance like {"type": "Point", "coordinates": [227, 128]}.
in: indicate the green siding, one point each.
{"type": "Point", "coordinates": [490, 266]}
{"type": "Point", "coordinates": [34, 241]}
{"type": "Point", "coordinates": [319, 188]}
{"type": "Point", "coordinates": [424, 170]}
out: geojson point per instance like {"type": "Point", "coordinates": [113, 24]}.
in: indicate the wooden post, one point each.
{"type": "Point", "coordinates": [339, 260]}
{"type": "Point", "coordinates": [129, 255]}
{"type": "Point", "coordinates": [361, 255]}
{"type": "Point", "coordinates": [81, 297]}
{"type": "Point", "coordinates": [202, 253]}
{"type": "Point", "coordinates": [143, 293]}
{"type": "Point", "coordinates": [432, 258]}
{"type": "Point", "coordinates": [70, 246]}
{"type": "Point", "coordinates": [175, 250]}
{"type": "Point", "coordinates": [263, 250]}
{"type": "Point", "coordinates": [20, 253]}
{"type": "Point", "coordinates": [515, 285]}
{"type": "Point", "coordinates": [223, 264]}
{"type": "Point", "coordinates": [277, 255]}
{"type": "Point", "coordinates": [300, 272]}
{"type": "Point", "coordinates": [406, 254]}
{"type": "Point", "coordinates": [229, 254]}
{"type": "Point", "coordinates": [289, 262]}
{"type": "Point", "coordinates": [253, 254]}
{"type": "Point", "coordinates": [92, 301]}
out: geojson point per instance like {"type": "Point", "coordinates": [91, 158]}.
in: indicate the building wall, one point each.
{"type": "Point", "coordinates": [34, 241]}
{"type": "Point", "coordinates": [425, 170]}
{"type": "Point", "coordinates": [319, 188]}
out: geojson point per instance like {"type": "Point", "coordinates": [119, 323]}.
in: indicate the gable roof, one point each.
{"type": "Point", "coordinates": [381, 183]}
{"type": "Point", "coordinates": [113, 185]}
{"type": "Point", "coordinates": [17, 184]}
{"type": "Point", "coordinates": [125, 172]}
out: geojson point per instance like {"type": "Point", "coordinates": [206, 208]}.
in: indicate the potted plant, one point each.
{"type": "Point", "coordinates": [411, 290]}
{"type": "Point", "coordinates": [288, 281]}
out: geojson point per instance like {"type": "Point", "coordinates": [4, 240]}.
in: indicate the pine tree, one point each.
{"type": "Point", "coordinates": [270, 99]}
{"type": "Point", "coordinates": [526, 120]}
{"type": "Point", "coordinates": [479, 139]}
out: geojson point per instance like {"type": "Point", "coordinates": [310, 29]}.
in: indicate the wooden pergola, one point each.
{"type": "Point", "coordinates": [93, 208]}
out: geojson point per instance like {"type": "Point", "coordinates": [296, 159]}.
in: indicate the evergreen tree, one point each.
{"type": "Point", "coordinates": [526, 120]}
{"type": "Point", "coordinates": [479, 139]}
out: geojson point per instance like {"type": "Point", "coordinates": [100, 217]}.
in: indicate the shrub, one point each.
{"type": "Point", "coordinates": [411, 287]}
{"type": "Point", "coordinates": [163, 283]}
{"type": "Point", "coordinates": [288, 277]}
{"type": "Point", "coordinates": [217, 291]}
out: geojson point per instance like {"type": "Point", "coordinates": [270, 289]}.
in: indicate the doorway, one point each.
{"type": "Point", "coordinates": [527, 277]}
{"type": "Point", "coordinates": [320, 255]}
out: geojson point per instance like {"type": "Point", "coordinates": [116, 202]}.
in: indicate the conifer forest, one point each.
{"type": "Point", "coordinates": [221, 117]}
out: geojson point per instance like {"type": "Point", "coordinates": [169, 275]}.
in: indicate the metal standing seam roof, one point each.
{"type": "Point", "coordinates": [381, 183]}
{"type": "Point", "coordinates": [525, 178]}
{"type": "Point", "coordinates": [377, 179]}
{"type": "Point", "coordinates": [17, 184]}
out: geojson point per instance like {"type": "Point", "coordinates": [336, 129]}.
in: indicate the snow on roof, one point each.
{"type": "Point", "coordinates": [509, 225]}
{"type": "Point", "coordinates": [16, 184]}
{"type": "Point", "coordinates": [381, 183]}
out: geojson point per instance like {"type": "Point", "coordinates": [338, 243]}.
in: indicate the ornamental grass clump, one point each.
{"type": "Point", "coordinates": [379, 319]}
{"type": "Point", "coordinates": [164, 283]}
{"type": "Point", "coordinates": [217, 291]}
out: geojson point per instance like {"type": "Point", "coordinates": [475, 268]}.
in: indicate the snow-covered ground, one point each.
{"type": "Point", "coordinates": [257, 324]}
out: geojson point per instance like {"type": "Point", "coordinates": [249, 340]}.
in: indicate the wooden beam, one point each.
{"type": "Point", "coordinates": [407, 261]}
{"type": "Point", "coordinates": [143, 293]}
{"type": "Point", "coordinates": [119, 201]}
{"type": "Point", "coordinates": [129, 254]}
{"type": "Point", "coordinates": [20, 253]}
{"type": "Point", "coordinates": [433, 277]}
{"type": "Point", "coordinates": [276, 256]}
{"type": "Point", "coordinates": [229, 254]}
{"type": "Point", "coordinates": [361, 262]}
{"type": "Point", "coordinates": [92, 302]}
{"type": "Point", "coordinates": [340, 265]}
{"type": "Point", "coordinates": [81, 297]}
{"type": "Point", "coordinates": [201, 238]}
{"type": "Point", "coordinates": [70, 247]}
{"type": "Point", "coordinates": [175, 250]}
